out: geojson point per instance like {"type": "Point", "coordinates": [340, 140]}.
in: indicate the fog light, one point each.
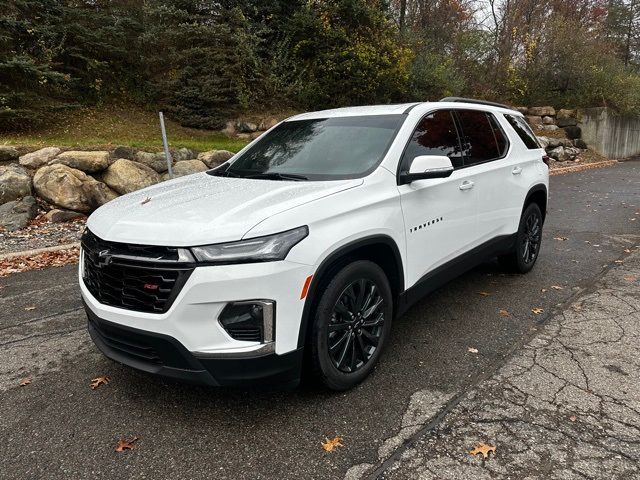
{"type": "Point", "coordinates": [250, 321]}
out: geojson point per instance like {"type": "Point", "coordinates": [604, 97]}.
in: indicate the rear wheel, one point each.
{"type": "Point", "coordinates": [528, 241]}
{"type": "Point", "coordinates": [351, 325]}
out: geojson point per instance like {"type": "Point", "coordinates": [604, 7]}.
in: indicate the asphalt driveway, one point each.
{"type": "Point", "coordinates": [57, 427]}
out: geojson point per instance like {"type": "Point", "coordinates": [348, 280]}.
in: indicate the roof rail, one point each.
{"type": "Point", "coordinates": [473, 100]}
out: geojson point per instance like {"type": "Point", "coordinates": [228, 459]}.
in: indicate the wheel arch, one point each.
{"type": "Point", "coordinates": [375, 248]}
{"type": "Point", "coordinates": [537, 194]}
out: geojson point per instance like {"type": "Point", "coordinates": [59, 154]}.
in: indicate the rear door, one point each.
{"type": "Point", "coordinates": [440, 213]}
{"type": "Point", "coordinates": [497, 172]}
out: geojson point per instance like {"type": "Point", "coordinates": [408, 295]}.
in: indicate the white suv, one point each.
{"type": "Point", "coordinates": [304, 246]}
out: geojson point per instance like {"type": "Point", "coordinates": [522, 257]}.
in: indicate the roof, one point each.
{"type": "Point", "coordinates": [395, 109]}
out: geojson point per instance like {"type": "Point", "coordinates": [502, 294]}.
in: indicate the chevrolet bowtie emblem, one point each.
{"type": "Point", "coordinates": [104, 258]}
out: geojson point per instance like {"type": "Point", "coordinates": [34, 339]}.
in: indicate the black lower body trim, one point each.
{"type": "Point", "coordinates": [454, 268]}
{"type": "Point", "coordinates": [165, 356]}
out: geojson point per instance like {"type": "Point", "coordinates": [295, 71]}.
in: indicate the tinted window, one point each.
{"type": "Point", "coordinates": [478, 139]}
{"type": "Point", "coordinates": [327, 148]}
{"type": "Point", "coordinates": [521, 127]}
{"type": "Point", "coordinates": [435, 135]}
{"type": "Point", "coordinates": [498, 133]}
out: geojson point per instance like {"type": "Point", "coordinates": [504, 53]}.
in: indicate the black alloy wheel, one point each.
{"type": "Point", "coordinates": [528, 241]}
{"type": "Point", "coordinates": [531, 237]}
{"type": "Point", "coordinates": [351, 324]}
{"type": "Point", "coordinates": [356, 325]}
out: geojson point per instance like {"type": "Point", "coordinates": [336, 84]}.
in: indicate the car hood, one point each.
{"type": "Point", "coordinates": [200, 209]}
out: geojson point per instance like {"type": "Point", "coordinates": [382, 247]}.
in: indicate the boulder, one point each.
{"type": "Point", "coordinates": [571, 152]}
{"type": "Point", "coordinates": [544, 141]}
{"type": "Point", "coordinates": [267, 123]}
{"type": "Point", "coordinates": [548, 120]}
{"type": "Point", "coordinates": [71, 188]}
{"type": "Point", "coordinates": [579, 143]}
{"type": "Point", "coordinates": [15, 183]}
{"type": "Point", "coordinates": [39, 158]}
{"type": "Point", "coordinates": [567, 122]}
{"type": "Point", "coordinates": [125, 176]}
{"type": "Point", "coordinates": [213, 158]}
{"type": "Point", "coordinates": [565, 113]}
{"type": "Point", "coordinates": [187, 167]}
{"type": "Point", "coordinates": [542, 111]}
{"type": "Point", "coordinates": [573, 132]}
{"type": "Point", "coordinates": [156, 161]}
{"type": "Point", "coordinates": [56, 215]}
{"type": "Point", "coordinates": [8, 154]}
{"type": "Point", "coordinates": [122, 151]}
{"type": "Point", "coordinates": [559, 142]}
{"type": "Point", "coordinates": [182, 154]}
{"type": "Point", "coordinates": [522, 110]}
{"type": "Point", "coordinates": [549, 128]}
{"type": "Point", "coordinates": [534, 119]}
{"type": "Point", "coordinates": [247, 127]}
{"type": "Point", "coordinates": [85, 161]}
{"type": "Point", "coordinates": [558, 154]}
{"type": "Point", "coordinates": [18, 213]}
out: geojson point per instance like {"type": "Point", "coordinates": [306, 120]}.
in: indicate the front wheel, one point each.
{"type": "Point", "coordinates": [351, 325]}
{"type": "Point", "coordinates": [528, 241]}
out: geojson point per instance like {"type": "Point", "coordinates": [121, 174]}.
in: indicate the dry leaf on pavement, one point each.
{"type": "Point", "coordinates": [504, 313]}
{"type": "Point", "coordinates": [557, 287]}
{"type": "Point", "coordinates": [573, 418]}
{"type": "Point", "coordinates": [630, 278]}
{"type": "Point", "coordinates": [484, 449]}
{"type": "Point", "coordinates": [472, 350]}
{"type": "Point", "coordinates": [484, 294]}
{"type": "Point", "coordinates": [331, 445]}
{"type": "Point", "coordinates": [96, 382]}
{"type": "Point", "coordinates": [25, 382]}
{"type": "Point", "coordinates": [561, 239]}
{"type": "Point", "coordinates": [123, 444]}
{"type": "Point", "coordinates": [28, 309]}
{"type": "Point", "coordinates": [537, 311]}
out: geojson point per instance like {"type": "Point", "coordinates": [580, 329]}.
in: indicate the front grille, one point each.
{"type": "Point", "coordinates": [125, 343]}
{"type": "Point", "coordinates": [135, 277]}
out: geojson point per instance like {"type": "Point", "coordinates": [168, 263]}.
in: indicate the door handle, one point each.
{"type": "Point", "coordinates": [466, 185]}
{"type": "Point", "coordinates": [517, 170]}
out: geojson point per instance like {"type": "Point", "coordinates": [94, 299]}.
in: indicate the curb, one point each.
{"type": "Point", "coordinates": [37, 251]}
{"type": "Point", "coordinates": [582, 168]}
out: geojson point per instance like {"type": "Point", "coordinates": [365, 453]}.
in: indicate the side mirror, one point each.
{"type": "Point", "coordinates": [427, 166]}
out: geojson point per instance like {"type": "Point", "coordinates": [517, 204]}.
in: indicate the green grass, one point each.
{"type": "Point", "coordinates": [108, 127]}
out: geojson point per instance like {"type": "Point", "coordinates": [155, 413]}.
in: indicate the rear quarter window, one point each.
{"type": "Point", "coordinates": [523, 130]}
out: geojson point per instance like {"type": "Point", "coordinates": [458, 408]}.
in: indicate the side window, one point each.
{"type": "Point", "coordinates": [521, 127]}
{"type": "Point", "coordinates": [498, 133]}
{"type": "Point", "coordinates": [478, 138]}
{"type": "Point", "coordinates": [435, 135]}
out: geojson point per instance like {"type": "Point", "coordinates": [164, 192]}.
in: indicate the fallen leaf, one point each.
{"type": "Point", "coordinates": [561, 239]}
{"type": "Point", "coordinates": [146, 200]}
{"type": "Point", "coordinates": [483, 449]}
{"type": "Point", "coordinates": [96, 382]}
{"type": "Point", "coordinates": [626, 250]}
{"type": "Point", "coordinates": [556, 287]}
{"type": "Point", "coordinates": [630, 278]}
{"type": "Point", "coordinates": [29, 308]}
{"type": "Point", "coordinates": [537, 311]}
{"type": "Point", "coordinates": [543, 290]}
{"type": "Point", "coordinates": [484, 294]}
{"type": "Point", "coordinates": [25, 382]}
{"type": "Point", "coordinates": [618, 261]}
{"type": "Point", "coordinates": [504, 313]}
{"type": "Point", "coordinates": [123, 444]}
{"type": "Point", "coordinates": [331, 445]}
{"type": "Point", "coordinates": [472, 350]}
{"type": "Point", "coordinates": [573, 418]}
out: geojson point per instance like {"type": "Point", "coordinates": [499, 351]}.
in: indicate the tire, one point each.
{"type": "Point", "coordinates": [337, 324]}
{"type": "Point", "coordinates": [528, 242]}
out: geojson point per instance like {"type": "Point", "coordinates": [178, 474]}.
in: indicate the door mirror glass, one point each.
{"type": "Point", "coordinates": [427, 166]}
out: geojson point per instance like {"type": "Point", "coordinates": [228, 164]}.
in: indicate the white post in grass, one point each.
{"type": "Point", "coordinates": [166, 146]}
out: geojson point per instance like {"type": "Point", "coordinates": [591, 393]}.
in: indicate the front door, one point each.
{"type": "Point", "coordinates": [439, 214]}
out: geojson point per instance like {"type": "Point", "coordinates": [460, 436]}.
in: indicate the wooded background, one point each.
{"type": "Point", "coordinates": [205, 61]}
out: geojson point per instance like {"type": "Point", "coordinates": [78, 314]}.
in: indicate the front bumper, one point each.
{"type": "Point", "coordinates": [163, 355]}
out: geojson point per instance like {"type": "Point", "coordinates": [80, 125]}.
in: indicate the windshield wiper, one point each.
{"type": "Point", "coordinates": [278, 176]}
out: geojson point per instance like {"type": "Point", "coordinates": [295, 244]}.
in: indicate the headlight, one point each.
{"type": "Point", "coordinates": [259, 249]}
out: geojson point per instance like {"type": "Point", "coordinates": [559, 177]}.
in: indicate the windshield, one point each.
{"type": "Point", "coordinates": [318, 149]}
